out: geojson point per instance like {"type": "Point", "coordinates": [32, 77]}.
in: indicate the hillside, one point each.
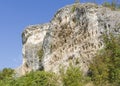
{"type": "Point", "coordinates": [80, 46]}
{"type": "Point", "coordinates": [72, 36]}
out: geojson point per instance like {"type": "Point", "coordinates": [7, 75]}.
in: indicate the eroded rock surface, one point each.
{"type": "Point", "coordinates": [72, 36]}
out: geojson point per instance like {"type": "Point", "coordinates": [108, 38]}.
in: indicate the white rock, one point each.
{"type": "Point", "coordinates": [70, 37]}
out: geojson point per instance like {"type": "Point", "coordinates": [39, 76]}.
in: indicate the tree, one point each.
{"type": "Point", "coordinates": [37, 78]}
{"type": "Point", "coordinates": [106, 65]}
{"type": "Point", "coordinates": [6, 73]}
{"type": "Point", "coordinates": [73, 77]}
{"type": "Point", "coordinates": [6, 77]}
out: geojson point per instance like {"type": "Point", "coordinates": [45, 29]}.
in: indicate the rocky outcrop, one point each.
{"type": "Point", "coordinates": [73, 36]}
{"type": "Point", "coordinates": [32, 40]}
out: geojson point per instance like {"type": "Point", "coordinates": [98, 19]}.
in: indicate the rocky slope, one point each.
{"type": "Point", "coordinates": [73, 36]}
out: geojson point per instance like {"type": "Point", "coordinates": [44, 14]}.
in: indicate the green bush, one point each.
{"type": "Point", "coordinates": [6, 77]}
{"type": "Point", "coordinates": [72, 77]}
{"type": "Point", "coordinates": [38, 78]}
{"type": "Point", "coordinates": [112, 5]}
{"type": "Point", "coordinates": [106, 65]}
{"type": "Point", "coordinates": [99, 71]}
{"type": "Point", "coordinates": [106, 4]}
{"type": "Point", "coordinates": [73, 8]}
{"type": "Point", "coordinates": [40, 54]}
{"type": "Point", "coordinates": [6, 73]}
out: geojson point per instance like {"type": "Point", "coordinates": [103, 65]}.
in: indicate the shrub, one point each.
{"type": "Point", "coordinates": [6, 72]}
{"type": "Point", "coordinates": [40, 54]}
{"type": "Point", "coordinates": [6, 76]}
{"type": "Point", "coordinates": [38, 78]}
{"type": "Point", "coordinates": [113, 5]}
{"type": "Point", "coordinates": [72, 77]}
{"type": "Point", "coordinates": [99, 71]}
{"type": "Point", "coordinates": [106, 65]}
{"type": "Point", "coordinates": [106, 4]}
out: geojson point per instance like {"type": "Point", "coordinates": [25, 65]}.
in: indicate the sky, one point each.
{"type": "Point", "coordinates": [15, 15]}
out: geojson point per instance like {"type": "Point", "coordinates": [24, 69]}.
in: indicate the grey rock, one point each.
{"type": "Point", "coordinates": [73, 36]}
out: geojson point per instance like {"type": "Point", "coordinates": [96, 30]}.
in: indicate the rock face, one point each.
{"type": "Point", "coordinates": [73, 36]}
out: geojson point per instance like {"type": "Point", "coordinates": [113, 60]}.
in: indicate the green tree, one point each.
{"type": "Point", "coordinates": [106, 4]}
{"type": "Point", "coordinates": [106, 65]}
{"type": "Point", "coordinates": [73, 77]}
{"type": "Point", "coordinates": [6, 76]}
{"type": "Point", "coordinates": [38, 78]}
{"type": "Point", "coordinates": [6, 72]}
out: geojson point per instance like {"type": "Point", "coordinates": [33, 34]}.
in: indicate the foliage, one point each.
{"type": "Point", "coordinates": [99, 71]}
{"type": "Point", "coordinates": [106, 65]}
{"type": "Point", "coordinates": [6, 72]}
{"type": "Point", "coordinates": [40, 54]}
{"type": "Point", "coordinates": [106, 4]}
{"type": "Point", "coordinates": [73, 77]}
{"type": "Point", "coordinates": [73, 8]}
{"type": "Point", "coordinates": [6, 76]}
{"type": "Point", "coordinates": [109, 5]}
{"type": "Point", "coordinates": [113, 5]}
{"type": "Point", "coordinates": [38, 78]}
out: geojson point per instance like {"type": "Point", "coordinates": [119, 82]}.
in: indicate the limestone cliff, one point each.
{"type": "Point", "coordinates": [72, 36]}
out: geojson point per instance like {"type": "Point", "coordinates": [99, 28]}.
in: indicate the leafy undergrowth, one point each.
{"type": "Point", "coordinates": [105, 68]}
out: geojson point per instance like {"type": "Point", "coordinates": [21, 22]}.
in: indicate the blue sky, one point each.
{"type": "Point", "coordinates": [15, 15]}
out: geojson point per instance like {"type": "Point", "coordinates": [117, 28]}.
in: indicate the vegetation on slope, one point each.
{"type": "Point", "coordinates": [72, 77]}
{"type": "Point", "coordinates": [38, 78]}
{"type": "Point", "coordinates": [106, 65]}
